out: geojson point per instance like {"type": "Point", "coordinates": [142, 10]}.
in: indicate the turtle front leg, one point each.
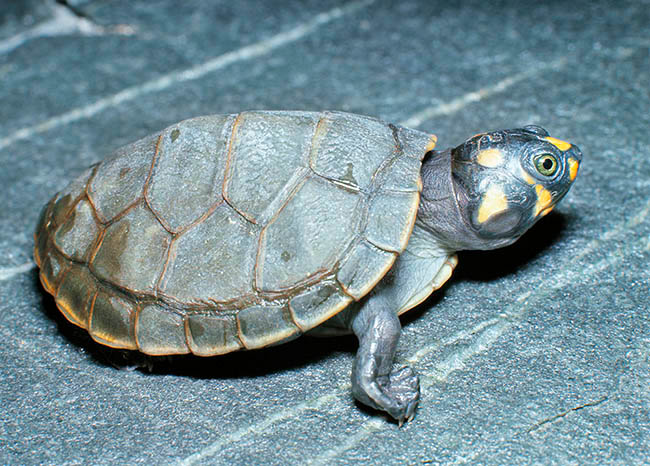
{"type": "Point", "coordinates": [373, 383]}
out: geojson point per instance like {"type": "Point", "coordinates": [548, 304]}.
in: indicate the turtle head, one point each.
{"type": "Point", "coordinates": [504, 181]}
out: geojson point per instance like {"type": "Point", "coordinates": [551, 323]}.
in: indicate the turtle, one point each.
{"type": "Point", "coordinates": [241, 231]}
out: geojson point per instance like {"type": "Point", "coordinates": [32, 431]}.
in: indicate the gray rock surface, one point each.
{"type": "Point", "coordinates": [538, 353]}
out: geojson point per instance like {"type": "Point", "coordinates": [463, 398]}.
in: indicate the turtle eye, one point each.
{"type": "Point", "coordinates": [546, 164]}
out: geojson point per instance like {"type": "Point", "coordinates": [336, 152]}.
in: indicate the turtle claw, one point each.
{"type": "Point", "coordinates": [410, 413]}
{"type": "Point", "coordinates": [397, 393]}
{"type": "Point", "coordinates": [403, 387]}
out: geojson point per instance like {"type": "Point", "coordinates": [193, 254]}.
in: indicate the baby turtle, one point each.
{"type": "Point", "coordinates": [231, 232]}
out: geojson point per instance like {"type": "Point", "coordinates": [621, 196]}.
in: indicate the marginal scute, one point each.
{"type": "Point", "coordinates": [64, 200]}
{"type": "Point", "coordinates": [43, 228]}
{"type": "Point", "coordinates": [78, 233]}
{"type": "Point", "coordinates": [120, 179]}
{"type": "Point", "coordinates": [349, 148]}
{"type": "Point", "coordinates": [214, 260]}
{"type": "Point", "coordinates": [416, 143]}
{"type": "Point", "coordinates": [308, 236]}
{"type": "Point", "coordinates": [400, 174]}
{"type": "Point", "coordinates": [264, 325]}
{"type": "Point", "coordinates": [158, 331]}
{"type": "Point", "coordinates": [210, 335]}
{"type": "Point", "coordinates": [53, 268]}
{"type": "Point", "coordinates": [390, 220]}
{"type": "Point", "coordinates": [74, 294]}
{"type": "Point", "coordinates": [267, 150]}
{"type": "Point", "coordinates": [195, 160]}
{"type": "Point", "coordinates": [112, 320]}
{"type": "Point", "coordinates": [363, 268]}
{"type": "Point", "coordinates": [133, 251]}
{"type": "Point", "coordinates": [317, 304]}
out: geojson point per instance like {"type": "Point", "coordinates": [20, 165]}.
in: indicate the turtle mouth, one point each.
{"type": "Point", "coordinates": [545, 201]}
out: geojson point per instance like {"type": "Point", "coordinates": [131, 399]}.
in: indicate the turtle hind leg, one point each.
{"type": "Point", "coordinates": [373, 382]}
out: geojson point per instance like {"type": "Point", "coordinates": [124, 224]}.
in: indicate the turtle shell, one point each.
{"type": "Point", "coordinates": [231, 231]}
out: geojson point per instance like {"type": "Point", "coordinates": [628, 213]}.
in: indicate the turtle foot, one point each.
{"type": "Point", "coordinates": [397, 393]}
{"type": "Point", "coordinates": [402, 386]}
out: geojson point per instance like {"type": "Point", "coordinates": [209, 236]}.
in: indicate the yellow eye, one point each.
{"type": "Point", "coordinates": [546, 164]}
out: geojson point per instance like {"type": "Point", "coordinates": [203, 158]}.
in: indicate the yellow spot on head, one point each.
{"type": "Point", "coordinates": [547, 210]}
{"type": "Point", "coordinates": [432, 143]}
{"type": "Point", "coordinates": [573, 168]}
{"type": "Point", "coordinates": [544, 200]}
{"type": "Point", "coordinates": [490, 158]}
{"type": "Point", "coordinates": [494, 201]}
{"type": "Point", "coordinates": [527, 178]}
{"type": "Point", "coordinates": [562, 145]}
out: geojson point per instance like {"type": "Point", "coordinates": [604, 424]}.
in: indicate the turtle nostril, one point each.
{"type": "Point", "coordinates": [577, 153]}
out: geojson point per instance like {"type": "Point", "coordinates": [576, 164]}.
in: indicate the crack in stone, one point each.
{"type": "Point", "coordinates": [548, 420]}
{"type": "Point", "coordinates": [78, 12]}
{"type": "Point", "coordinates": [65, 20]}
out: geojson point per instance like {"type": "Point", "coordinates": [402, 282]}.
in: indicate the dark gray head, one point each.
{"type": "Point", "coordinates": [487, 192]}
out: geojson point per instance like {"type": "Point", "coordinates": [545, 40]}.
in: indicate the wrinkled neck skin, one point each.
{"type": "Point", "coordinates": [442, 210]}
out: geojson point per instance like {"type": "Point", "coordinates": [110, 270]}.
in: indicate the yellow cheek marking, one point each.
{"type": "Point", "coordinates": [562, 145]}
{"type": "Point", "coordinates": [494, 201]}
{"type": "Point", "coordinates": [544, 199]}
{"type": "Point", "coordinates": [527, 178]}
{"type": "Point", "coordinates": [432, 143]}
{"type": "Point", "coordinates": [490, 158]}
{"type": "Point", "coordinates": [573, 168]}
{"type": "Point", "coordinates": [547, 210]}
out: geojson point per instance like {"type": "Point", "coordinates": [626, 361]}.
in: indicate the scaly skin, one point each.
{"type": "Point", "coordinates": [482, 195]}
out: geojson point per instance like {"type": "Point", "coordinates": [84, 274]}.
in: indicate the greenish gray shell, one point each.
{"type": "Point", "coordinates": [231, 232]}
